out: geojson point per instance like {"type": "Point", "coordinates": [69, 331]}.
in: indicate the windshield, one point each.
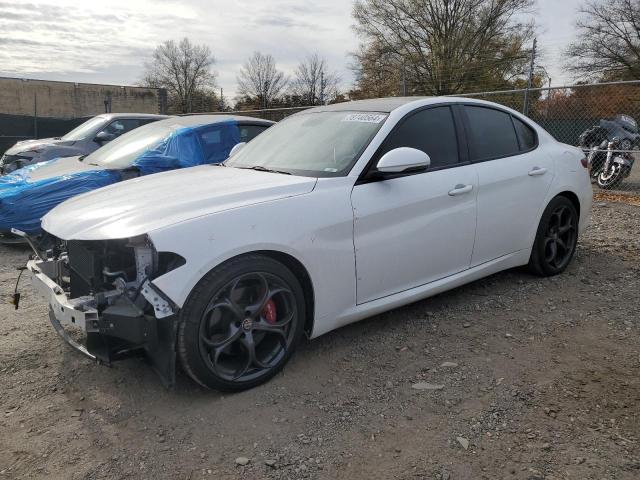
{"type": "Point", "coordinates": [85, 129]}
{"type": "Point", "coordinates": [124, 150]}
{"type": "Point", "coordinates": [320, 144]}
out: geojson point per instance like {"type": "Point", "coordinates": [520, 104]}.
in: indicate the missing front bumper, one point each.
{"type": "Point", "coordinates": [119, 331]}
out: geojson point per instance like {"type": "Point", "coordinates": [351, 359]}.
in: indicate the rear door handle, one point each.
{"type": "Point", "coordinates": [460, 189]}
{"type": "Point", "coordinates": [537, 171]}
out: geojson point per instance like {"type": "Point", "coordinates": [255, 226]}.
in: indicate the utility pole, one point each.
{"type": "Point", "coordinates": [221, 100]}
{"type": "Point", "coordinates": [322, 87]}
{"type": "Point", "coordinates": [525, 109]}
{"type": "Point", "coordinates": [404, 81]}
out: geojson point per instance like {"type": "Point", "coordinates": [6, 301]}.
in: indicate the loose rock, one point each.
{"type": "Point", "coordinates": [463, 442]}
{"type": "Point", "coordinates": [427, 386]}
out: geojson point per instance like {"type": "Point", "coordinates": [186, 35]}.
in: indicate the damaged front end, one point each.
{"type": "Point", "coordinates": [104, 288]}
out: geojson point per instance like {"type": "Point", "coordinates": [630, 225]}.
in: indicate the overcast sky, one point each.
{"type": "Point", "coordinates": [109, 41]}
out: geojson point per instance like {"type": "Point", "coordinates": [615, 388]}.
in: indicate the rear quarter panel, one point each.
{"type": "Point", "coordinates": [571, 176]}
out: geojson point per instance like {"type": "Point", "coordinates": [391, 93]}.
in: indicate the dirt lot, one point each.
{"type": "Point", "coordinates": [542, 383]}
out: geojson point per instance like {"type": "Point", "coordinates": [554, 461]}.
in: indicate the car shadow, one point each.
{"type": "Point", "coordinates": [137, 375]}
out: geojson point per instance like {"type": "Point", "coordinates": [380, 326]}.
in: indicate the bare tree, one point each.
{"type": "Point", "coordinates": [446, 46]}
{"type": "Point", "coordinates": [184, 69]}
{"type": "Point", "coordinates": [260, 80]}
{"type": "Point", "coordinates": [314, 83]}
{"type": "Point", "coordinates": [608, 44]}
{"type": "Point", "coordinates": [377, 72]}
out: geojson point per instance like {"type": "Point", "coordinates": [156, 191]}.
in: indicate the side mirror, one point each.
{"type": "Point", "coordinates": [402, 159]}
{"type": "Point", "coordinates": [103, 137]}
{"type": "Point", "coordinates": [236, 148]}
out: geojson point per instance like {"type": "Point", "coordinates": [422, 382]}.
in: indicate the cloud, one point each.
{"type": "Point", "coordinates": [110, 42]}
{"type": "Point", "coordinates": [19, 42]}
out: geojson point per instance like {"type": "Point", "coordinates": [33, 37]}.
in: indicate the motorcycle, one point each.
{"type": "Point", "coordinates": [609, 163]}
{"type": "Point", "coordinates": [622, 127]}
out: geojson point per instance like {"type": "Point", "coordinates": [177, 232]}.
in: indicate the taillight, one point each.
{"type": "Point", "coordinates": [584, 162]}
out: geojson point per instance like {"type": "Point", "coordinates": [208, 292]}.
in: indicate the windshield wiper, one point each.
{"type": "Point", "coordinates": [260, 168]}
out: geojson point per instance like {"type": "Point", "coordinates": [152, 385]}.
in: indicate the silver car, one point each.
{"type": "Point", "coordinates": [82, 140]}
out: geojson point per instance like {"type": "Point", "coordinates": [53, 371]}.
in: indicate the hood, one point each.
{"type": "Point", "coordinates": [37, 172]}
{"type": "Point", "coordinates": [27, 145]}
{"type": "Point", "coordinates": [141, 205]}
{"type": "Point", "coordinates": [30, 192]}
{"type": "Point", "coordinates": [55, 168]}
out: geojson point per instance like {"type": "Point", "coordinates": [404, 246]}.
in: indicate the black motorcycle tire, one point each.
{"type": "Point", "coordinates": [608, 182]}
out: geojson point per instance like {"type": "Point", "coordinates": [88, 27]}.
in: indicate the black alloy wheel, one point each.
{"type": "Point", "coordinates": [556, 239]}
{"type": "Point", "coordinates": [241, 323]}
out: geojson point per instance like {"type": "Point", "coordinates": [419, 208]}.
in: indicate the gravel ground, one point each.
{"type": "Point", "coordinates": [521, 378]}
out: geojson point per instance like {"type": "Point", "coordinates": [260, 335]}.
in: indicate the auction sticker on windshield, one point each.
{"type": "Point", "coordinates": [364, 118]}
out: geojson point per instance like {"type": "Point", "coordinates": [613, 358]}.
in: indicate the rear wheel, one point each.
{"type": "Point", "coordinates": [241, 323]}
{"type": "Point", "coordinates": [556, 238]}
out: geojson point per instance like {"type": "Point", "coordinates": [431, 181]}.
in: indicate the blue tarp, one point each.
{"type": "Point", "coordinates": [23, 201]}
{"type": "Point", "coordinates": [188, 147]}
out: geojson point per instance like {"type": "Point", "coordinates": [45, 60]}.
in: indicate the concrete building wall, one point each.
{"type": "Point", "coordinates": [66, 100]}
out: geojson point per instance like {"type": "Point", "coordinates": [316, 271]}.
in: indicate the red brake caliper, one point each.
{"type": "Point", "coordinates": [269, 312]}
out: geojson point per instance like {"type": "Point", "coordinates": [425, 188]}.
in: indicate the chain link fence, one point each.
{"type": "Point", "coordinates": [600, 118]}
{"type": "Point", "coordinates": [273, 114]}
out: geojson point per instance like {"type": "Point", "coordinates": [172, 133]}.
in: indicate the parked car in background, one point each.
{"type": "Point", "coordinates": [335, 214]}
{"type": "Point", "coordinates": [176, 142]}
{"type": "Point", "coordinates": [82, 140]}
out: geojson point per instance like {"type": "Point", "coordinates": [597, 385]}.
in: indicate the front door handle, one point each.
{"type": "Point", "coordinates": [460, 189]}
{"type": "Point", "coordinates": [537, 171]}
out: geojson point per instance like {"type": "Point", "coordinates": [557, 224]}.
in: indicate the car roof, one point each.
{"type": "Point", "coordinates": [115, 116]}
{"type": "Point", "coordinates": [202, 119]}
{"type": "Point", "coordinates": [371, 105]}
{"type": "Point", "coordinates": [389, 104]}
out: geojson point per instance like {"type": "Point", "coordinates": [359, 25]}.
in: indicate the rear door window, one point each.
{"type": "Point", "coordinates": [492, 134]}
{"type": "Point", "coordinates": [526, 135]}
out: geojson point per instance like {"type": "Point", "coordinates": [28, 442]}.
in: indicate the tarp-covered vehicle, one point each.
{"type": "Point", "coordinates": [178, 142]}
{"type": "Point", "coordinates": [87, 137]}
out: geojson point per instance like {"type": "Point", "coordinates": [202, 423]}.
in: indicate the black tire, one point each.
{"type": "Point", "coordinates": [224, 320]}
{"type": "Point", "coordinates": [610, 180]}
{"type": "Point", "coordinates": [556, 238]}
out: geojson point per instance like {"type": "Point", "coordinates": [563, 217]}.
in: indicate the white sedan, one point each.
{"type": "Point", "coordinates": [335, 214]}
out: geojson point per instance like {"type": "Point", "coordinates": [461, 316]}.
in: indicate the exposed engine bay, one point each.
{"type": "Point", "coordinates": [105, 289]}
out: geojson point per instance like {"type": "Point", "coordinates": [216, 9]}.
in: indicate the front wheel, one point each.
{"type": "Point", "coordinates": [556, 238]}
{"type": "Point", "coordinates": [611, 178]}
{"type": "Point", "coordinates": [241, 323]}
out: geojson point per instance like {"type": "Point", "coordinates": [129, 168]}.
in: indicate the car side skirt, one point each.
{"type": "Point", "coordinates": [406, 297]}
